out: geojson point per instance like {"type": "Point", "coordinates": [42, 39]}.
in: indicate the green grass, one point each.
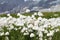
{"type": "Point", "coordinates": [17, 35]}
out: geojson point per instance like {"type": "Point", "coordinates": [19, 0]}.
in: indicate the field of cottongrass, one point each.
{"type": "Point", "coordinates": [30, 26]}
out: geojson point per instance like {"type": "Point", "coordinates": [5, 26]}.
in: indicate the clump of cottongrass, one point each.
{"type": "Point", "coordinates": [30, 25]}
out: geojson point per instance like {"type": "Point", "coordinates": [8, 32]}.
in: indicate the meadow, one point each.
{"type": "Point", "coordinates": [30, 26]}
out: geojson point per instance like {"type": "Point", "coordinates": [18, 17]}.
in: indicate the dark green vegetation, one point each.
{"type": "Point", "coordinates": [17, 35]}
{"type": "Point", "coordinates": [46, 14]}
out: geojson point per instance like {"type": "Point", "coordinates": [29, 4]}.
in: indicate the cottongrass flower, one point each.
{"type": "Point", "coordinates": [32, 35]}
{"type": "Point", "coordinates": [40, 14]}
{"type": "Point", "coordinates": [26, 33]}
{"type": "Point", "coordinates": [2, 33]}
{"type": "Point", "coordinates": [7, 33]}
{"type": "Point", "coordinates": [8, 15]}
{"type": "Point", "coordinates": [18, 14]}
{"type": "Point", "coordinates": [27, 10]}
{"type": "Point", "coordinates": [35, 13]}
